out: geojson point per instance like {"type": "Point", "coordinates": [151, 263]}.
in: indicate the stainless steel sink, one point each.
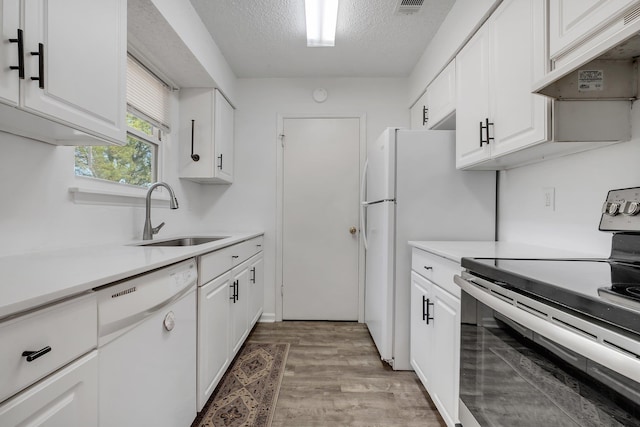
{"type": "Point", "coordinates": [184, 241]}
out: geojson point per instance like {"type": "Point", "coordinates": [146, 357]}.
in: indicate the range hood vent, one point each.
{"type": "Point", "coordinates": [408, 7]}
{"type": "Point", "coordinates": [606, 71]}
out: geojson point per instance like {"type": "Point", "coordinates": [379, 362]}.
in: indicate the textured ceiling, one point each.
{"type": "Point", "coordinates": [266, 38]}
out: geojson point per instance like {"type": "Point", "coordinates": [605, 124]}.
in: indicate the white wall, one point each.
{"type": "Point", "coordinates": [581, 184]}
{"type": "Point", "coordinates": [38, 213]}
{"type": "Point", "coordinates": [250, 202]}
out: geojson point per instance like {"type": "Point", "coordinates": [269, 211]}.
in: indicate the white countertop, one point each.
{"type": "Point", "coordinates": [34, 279]}
{"type": "Point", "coordinates": [455, 251]}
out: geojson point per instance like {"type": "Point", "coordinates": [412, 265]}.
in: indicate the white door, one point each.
{"type": "Point", "coordinates": [320, 205]}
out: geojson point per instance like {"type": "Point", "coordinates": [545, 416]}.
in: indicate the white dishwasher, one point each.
{"type": "Point", "coordinates": [147, 349]}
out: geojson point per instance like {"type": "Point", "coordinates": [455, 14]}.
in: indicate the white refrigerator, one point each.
{"type": "Point", "coordinates": [414, 192]}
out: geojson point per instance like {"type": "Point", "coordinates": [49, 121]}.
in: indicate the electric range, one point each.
{"type": "Point", "coordinates": [555, 341]}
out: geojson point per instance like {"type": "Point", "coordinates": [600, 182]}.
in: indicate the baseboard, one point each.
{"type": "Point", "coordinates": [267, 318]}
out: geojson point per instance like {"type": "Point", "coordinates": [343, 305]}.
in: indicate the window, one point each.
{"type": "Point", "coordinates": [136, 162]}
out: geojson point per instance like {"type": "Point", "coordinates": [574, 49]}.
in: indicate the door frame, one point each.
{"type": "Point", "coordinates": [280, 205]}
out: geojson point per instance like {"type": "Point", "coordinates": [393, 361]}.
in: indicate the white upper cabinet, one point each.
{"type": "Point", "coordinates": [496, 113]}
{"type": "Point", "coordinates": [9, 59]}
{"type": "Point", "coordinates": [206, 136]}
{"type": "Point", "coordinates": [74, 62]}
{"type": "Point", "coordinates": [472, 88]}
{"type": "Point", "coordinates": [441, 94]}
{"type": "Point", "coordinates": [437, 106]}
{"type": "Point", "coordinates": [573, 21]}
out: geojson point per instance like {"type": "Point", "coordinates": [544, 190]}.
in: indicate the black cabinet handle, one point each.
{"type": "Point", "coordinates": [20, 66]}
{"type": "Point", "coordinates": [33, 355]}
{"type": "Point", "coordinates": [253, 278]}
{"type": "Point", "coordinates": [233, 295]}
{"type": "Point", "coordinates": [194, 157]}
{"type": "Point", "coordinates": [485, 127]}
{"type": "Point", "coordinates": [237, 290]}
{"type": "Point", "coordinates": [424, 308]}
{"type": "Point", "coordinates": [425, 115]}
{"type": "Point", "coordinates": [429, 316]}
{"type": "Point", "coordinates": [235, 256]}
{"type": "Point", "coordinates": [40, 55]}
{"type": "Point", "coordinates": [220, 164]}
{"type": "Point", "coordinates": [428, 268]}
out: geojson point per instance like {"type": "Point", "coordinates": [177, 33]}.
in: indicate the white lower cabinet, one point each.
{"type": "Point", "coordinates": [68, 398]}
{"type": "Point", "coordinates": [230, 301]}
{"type": "Point", "coordinates": [256, 288]}
{"type": "Point", "coordinates": [239, 306]}
{"type": "Point", "coordinates": [213, 336]}
{"type": "Point", "coordinates": [435, 331]}
{"type": "Point", "coordinates": [48, 366]}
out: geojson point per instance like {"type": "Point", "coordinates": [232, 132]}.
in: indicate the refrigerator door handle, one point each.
{"type": "Point", "coordinates": [365, 204]}
{"type": "Point", "coordinates": [363, 225]}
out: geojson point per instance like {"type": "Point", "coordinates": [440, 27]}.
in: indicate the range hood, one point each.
{"type": "Point", "coordinates": [604, 69]}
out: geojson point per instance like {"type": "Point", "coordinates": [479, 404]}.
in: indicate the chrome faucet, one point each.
{"type": "Point", "coordinates": [149, 231]}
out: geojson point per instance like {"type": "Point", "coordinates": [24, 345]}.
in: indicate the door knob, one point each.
{"type": "Point", "coordinates": [353, 230]}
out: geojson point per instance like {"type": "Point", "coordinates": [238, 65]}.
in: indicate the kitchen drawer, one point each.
{"type": "Point", "coordinates": [69, 328]}
{"type": "Point", "coordinates": [213, 264]}
{"type": "Point", "coordinates": [437, 269]}
{"type": "Point", "coordinates": [67, 398]}
{"type": "Point", "coordinates": [245, 250]}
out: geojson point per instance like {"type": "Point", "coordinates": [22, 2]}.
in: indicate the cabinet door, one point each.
{"type": "Point", "coordinates": [472, 99]}
{"type": "Point", "coordinates": [420, 113]}
{"type": "Point", "coordinates": [518, 59]}
{"type": "Point", "coordinates": [421, 333]}
{"type": "Point", "coordinates": [9, 25]}
{"type": "Point", "coordinates": [83, 63]}
{"type": "Point", "coordinates": [446, 361]}
{"type": "Point", "coordinates": [223, 137]}
{"type": "Point", "coordinates": [213, 335]}
{"type": "Point", "coordinates": [67, 398]}
{"type": "Point", "coordinates": [442, 99]}
{"type": "Point", "coordinates": [256, 289]}
{"type": "Point", "coordinates": [573, 21]}
{"type": "Point", "coordinates": [239, 306]}
{"type": "Point", "coordinates": [206, 129]}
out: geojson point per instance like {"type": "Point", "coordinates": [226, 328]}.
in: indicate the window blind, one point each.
{"type": "Point", "coordinates": [147, 95]}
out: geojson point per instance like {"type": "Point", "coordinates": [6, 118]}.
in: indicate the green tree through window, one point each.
{"type": "Point", "coordinates": [133, 163]}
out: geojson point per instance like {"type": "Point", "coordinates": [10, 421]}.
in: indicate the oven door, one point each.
{"type": "Point", "coordinates": [513, 374]}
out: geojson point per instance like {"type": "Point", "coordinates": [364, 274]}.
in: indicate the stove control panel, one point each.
{"type": "Point", "coordinates": [620, 212]}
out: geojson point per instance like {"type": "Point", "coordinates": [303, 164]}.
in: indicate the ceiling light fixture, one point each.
{"type": "Point", "coordinates": [322, 17]}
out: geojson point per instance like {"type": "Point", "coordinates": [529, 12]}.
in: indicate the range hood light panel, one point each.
{"type": "Point", "coordinates": [322, 18]}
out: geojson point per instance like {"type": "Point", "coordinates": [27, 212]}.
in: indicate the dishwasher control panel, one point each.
{"type": "Point", "coordinates": [124, 304]}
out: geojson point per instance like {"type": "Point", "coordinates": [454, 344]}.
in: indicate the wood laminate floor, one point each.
{"type": "Point", "coordinates": [334, 377]}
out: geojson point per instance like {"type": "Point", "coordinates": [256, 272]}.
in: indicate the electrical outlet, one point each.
{"type": "Point", "coordinates": [549, 198]}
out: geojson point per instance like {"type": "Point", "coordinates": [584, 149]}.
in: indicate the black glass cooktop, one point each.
{"type": "Point", "coordinates": [604, 289]}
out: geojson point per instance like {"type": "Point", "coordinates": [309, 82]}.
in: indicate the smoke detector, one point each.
{"type": "Point", "coordinates": [408, 7]}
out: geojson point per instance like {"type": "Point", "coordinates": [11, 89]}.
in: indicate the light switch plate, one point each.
{"type": "Point", "coordinates": [549, 199]}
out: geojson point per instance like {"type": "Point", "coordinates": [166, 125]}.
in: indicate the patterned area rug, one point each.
{"type": "Point", "coordinates": [247, 394]}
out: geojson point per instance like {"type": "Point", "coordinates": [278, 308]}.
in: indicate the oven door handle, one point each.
{"type": "Point", "coordinates": [619, 362]}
